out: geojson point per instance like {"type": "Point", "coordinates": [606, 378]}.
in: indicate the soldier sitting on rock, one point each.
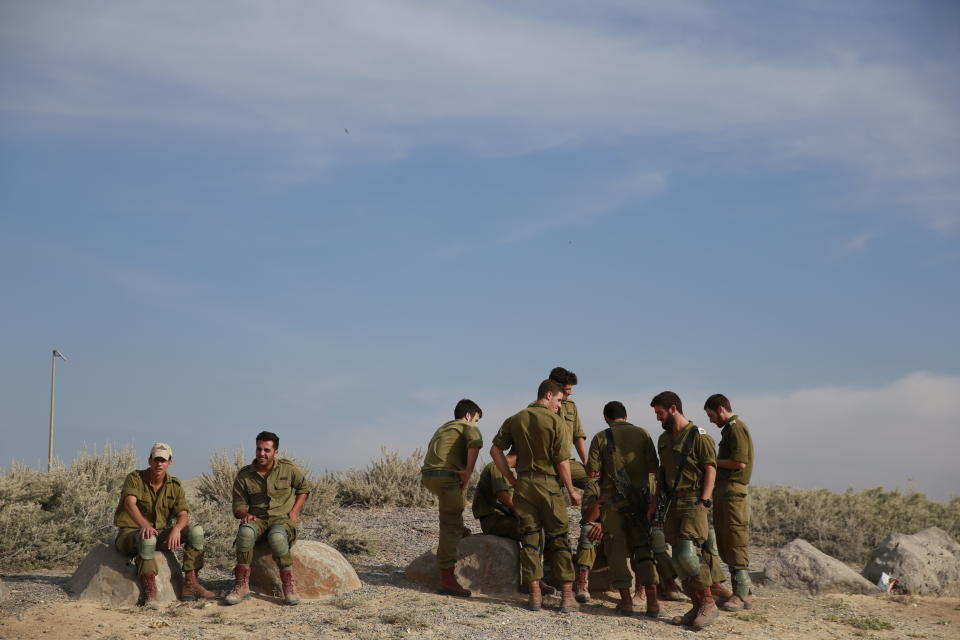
{"type": "Point", "coordinates": [150, 498]}
{"type": "Point", "coordinates": [267, 498]}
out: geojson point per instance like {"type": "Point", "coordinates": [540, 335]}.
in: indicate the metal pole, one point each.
{"type": "Point", "coordinates": [53, 399]}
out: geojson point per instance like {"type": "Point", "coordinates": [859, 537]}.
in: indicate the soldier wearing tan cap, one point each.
{"type": "Point", "coordinates": [149, 500]}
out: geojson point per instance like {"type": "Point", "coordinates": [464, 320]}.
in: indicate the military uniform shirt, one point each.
{"type": "Point", "coordinates": [634, 452]}
{"type": "Point", "coordinates": [536, 433]}
{"type": "Point", "coordinates": [736, 444]}
{"type": "Point", "coordinates": [157, 507]}
{"type": "Point", "coordinates": [571, 419]}
{"type": "Point", "coordinates": [270, 497]}
{"type": "Point", "coordinates": [491, 482]}
{"type": "Point", "coordinates": [702, 453]}
{"type": "Point", "coordinates": [448, 446]}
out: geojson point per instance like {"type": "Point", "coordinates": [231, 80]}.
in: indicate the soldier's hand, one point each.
{"type": "Point", "coordinates": [295, 519]}
{"type": "Point", "coordinates": [173, 540]}
{"type": "Point", "coordinates": [147, 532]}
{"type": "Point", "coordinates": [464, 478]}
{"type": "Point", "coordinates": [596, 532]}
{"type": "Point", "coordinates": [246, 517]}
{"type": "Point", "coordinates": [575, 498]}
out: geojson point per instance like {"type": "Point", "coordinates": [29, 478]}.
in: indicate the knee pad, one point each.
{"type": "Point", "coordinates": [278, 540]}
{"type": "Point", "coordinates": [742, 583]}
{"type": "Point", "coordinates": [147, 548]}
{"type": "Point", "coordinates": [686, 560]}
{"type": "Point", "coordinates": [246, 538]}
{"type": "Point", "coordinates": [585, 542]}
{"type": "Point", "coordinates": [711, 545]}
{"type": "Point", "coordinates": [530, 539]}
{"type": "Point", "coordinates": [195, 537]}
{"type": "Point", "coordinates": [658, 541]}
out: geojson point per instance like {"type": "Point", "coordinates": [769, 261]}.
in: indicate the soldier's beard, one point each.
{"type": "Point", "coordinates": [668, 423]}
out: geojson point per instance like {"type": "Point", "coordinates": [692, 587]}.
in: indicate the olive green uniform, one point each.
{"type": "Point", "coordinates": [537, 436]}
{"type": "Point", "coordinates": [270, 500]}
{"type": "Point", "coordinates": [574, 429]}
{"type": "Point", "coordinates": [624, 540]}
{"type": "Point", "coordinates": [496, 519]}
{"type": "Point", "coordinates": [446, 455]}
{"type": "Point", "coordinates": [686, 520]}
{"type": "Point", "coordinates": [158, 508]}
{"type": "Point", "coordinates": [731, 502]}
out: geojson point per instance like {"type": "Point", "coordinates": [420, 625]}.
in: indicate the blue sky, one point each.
{"type": "Point", "coordinates": [337, 219]}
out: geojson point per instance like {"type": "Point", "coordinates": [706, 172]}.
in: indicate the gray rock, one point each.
{"type": "Point", "coordinates": [924, 563]}
{"type": "Point", "coordinates": [799, 565]}
{"type": "Point", "coordinates": [4, 591]}
{"type": "Point", "coordinates": [319, 570]}
{"type": "Point", "coordinates": [109, 577]}
{"type": "Point", "coordinates": [485, 564]}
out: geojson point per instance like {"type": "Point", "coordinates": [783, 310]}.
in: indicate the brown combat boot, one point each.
{"type": "Point", "coordinates": [545, 588]}
{"type": "Point", "coordinates": [707, 612]}
{"type": "Point", "coordinates": [581, 586]}
{"type": "Point", "coordinates": [687, 619]}
{"type": "Point", "coordinates": [241, 585]}
{"type": "Point", "coordinates": [450, 586]}
{"type": "Point", "coordinates": [720, 592]}
{"type": "Point", "coordinates": [535, 599]}
{"type": "Point", "coordinates": [289, 587]}
{"type": "Point", "coordinates": [568, 604]}
{"type": "Point", "coordinates": [637, 594]}
{"type": "Point", "coordinates": [625, 606]}
{"type": "Point", "coordinates": [192, 589]}
{"type": "Point", "coordinates": [670, 591]}
{"type": "Point", "coordinates": [653, 606]}
{"type": "Point", "coordinates": [150, 599]}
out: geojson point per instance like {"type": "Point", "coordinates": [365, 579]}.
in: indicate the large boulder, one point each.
{"type": "Point", "coordinates": [924, 563]}
{"type": "Point", "coordinates": [799, 565]}
{"type": "Point", "coordinates": [486, 564]}
{"type": "Point", "coordinates": [319, 570]}
{"type": "Point", "coordinates": [110, 577]}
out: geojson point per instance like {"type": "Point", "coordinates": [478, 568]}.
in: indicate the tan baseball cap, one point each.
{"type": "Point", "coordinates": [161, 450]}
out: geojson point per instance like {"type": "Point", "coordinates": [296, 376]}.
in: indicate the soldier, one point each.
{"type": "Point", "coordinates": [731, 510]}
{"type": "Point", "coordinates": [625, 459]}
{"type": "Point", "coordinates": [268, 495]}
{"type": "Point", "coordinates": [537, 435]}
{"type": "Point", "coordinates": [493, 502]}
{"type": "Point", "coordinates": [451, 456]}
{"type": "Point", "coordinates": [687, 471]}
{"type": "Point", "coordinates": [586, 554]}
{"type": "Point", "coordinates": [149, 499]}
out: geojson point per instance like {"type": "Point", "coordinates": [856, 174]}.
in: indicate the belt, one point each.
{"type": "Point", "coordinates": [439, 473]}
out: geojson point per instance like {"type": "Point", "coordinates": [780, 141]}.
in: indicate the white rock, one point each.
{"type": "Point", "coordinates": [924, 563]}
{"type": "Point", "coordinates": [319, 570]}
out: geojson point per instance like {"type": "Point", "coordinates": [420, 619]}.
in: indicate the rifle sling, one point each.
{"type": "Point", "coordinates": [684, 453]}
{"type": "Point", "coordinates": [624, 489]}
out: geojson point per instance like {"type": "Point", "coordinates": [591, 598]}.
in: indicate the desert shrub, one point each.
{"type": "Point", "coordinates": [845, 525]}
{"type": "Point", "coordinates": [50, 519]}
{"type": "Point", "coordinates": [319, 517]}
{"type": "Point", "coordinates": [389, 480]}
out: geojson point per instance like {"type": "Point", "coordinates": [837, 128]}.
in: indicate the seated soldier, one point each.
{"type": "Point", "coordinates": [148, 501]}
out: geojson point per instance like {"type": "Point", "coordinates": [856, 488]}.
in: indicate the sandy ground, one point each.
{"type": "Point", "coordinates": [389, 606]}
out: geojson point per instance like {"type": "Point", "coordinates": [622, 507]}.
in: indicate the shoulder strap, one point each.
{"type": "Point", "coordinates": [684, 454]}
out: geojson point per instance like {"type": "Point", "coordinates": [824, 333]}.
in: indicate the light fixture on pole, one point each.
{"type": "Point", "coordinates": [53, 399]}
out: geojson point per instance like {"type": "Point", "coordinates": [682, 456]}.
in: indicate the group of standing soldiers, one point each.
{"type": "Point", "coordinates": [637, 498]}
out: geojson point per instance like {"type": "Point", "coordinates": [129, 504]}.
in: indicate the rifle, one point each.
{"type": "Point", "coordinates": [635, 509]}
{"type": "Point", "coordinates": [664, 495]}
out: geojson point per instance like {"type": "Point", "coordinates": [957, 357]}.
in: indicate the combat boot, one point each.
{"type": "Point", "coordinates": [741, 592]}
{"type": "Point", "coordinates": [707, 612]}
{"type": "Point", "coordinates": [733, 603]}
{"type": "Point", "coordinates": [241, 585]}
{"type": "Point", "coordinates": [653, 605]}
{"type": "Point", "coordinates": [720, 592]}
{"type": "Point", "coordinates": [545, 588]}
{"type": "Point", "coordinates": [568, 604]}
{"type": "Point", "coordinates": [687, 619]}
{"type": "Point", "coordinates": [289, 588]}
{"type": "Point", "coordinates": [450, 586]}
{"type": "Point", "coordinates": [637, 594]}
{"type": "Point", "coordinates": [192, 589]}
{"type": "Point", "coordinates": [670, 591]}
{"type": "Point", "coordinates": [625, 606]}
{"type": "Point", "coordinates": [150, 599]}
{"type": "Point", "coordinates": [535, 599]}
{"type": "Point", "coordinates": [581, 586]}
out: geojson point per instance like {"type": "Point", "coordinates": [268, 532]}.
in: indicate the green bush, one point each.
{"type": "Point", "coordinates": [52, 519]}
{"type": "Point", "coordinates": [390, 480]}
{"type": "Point", "coordinates": [845, 525]}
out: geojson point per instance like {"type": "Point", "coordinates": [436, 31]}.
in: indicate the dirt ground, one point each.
{"type": "Point", "coordinates": [389, 606]}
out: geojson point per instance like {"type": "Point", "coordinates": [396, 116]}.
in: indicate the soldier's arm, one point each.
{"type": "Point", "coordinates": [241, 503]}
{"type": "Point", "coordinates": [709, 477]}
{"type": "Point", "coordinates": [504, 497]}
{"type": "Point", "coordinates": [130, 506]}
{"type": "Point", "coordinates": [727, 463]}
{"type": "Point", "coordinates": [739, 452]}
{"type": "Point", "coordinates": [297, 506]}
{"type": "Point", "coordinates": [563, 469]}
{"type": "Point", "coordinates": [580, 444]}
{"type": "Point", "coordinates": [173, 540]}
{"type": "Point", "coordinates": [500, 461]}
{"type": "Point", "coordinates": [472, 454]}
